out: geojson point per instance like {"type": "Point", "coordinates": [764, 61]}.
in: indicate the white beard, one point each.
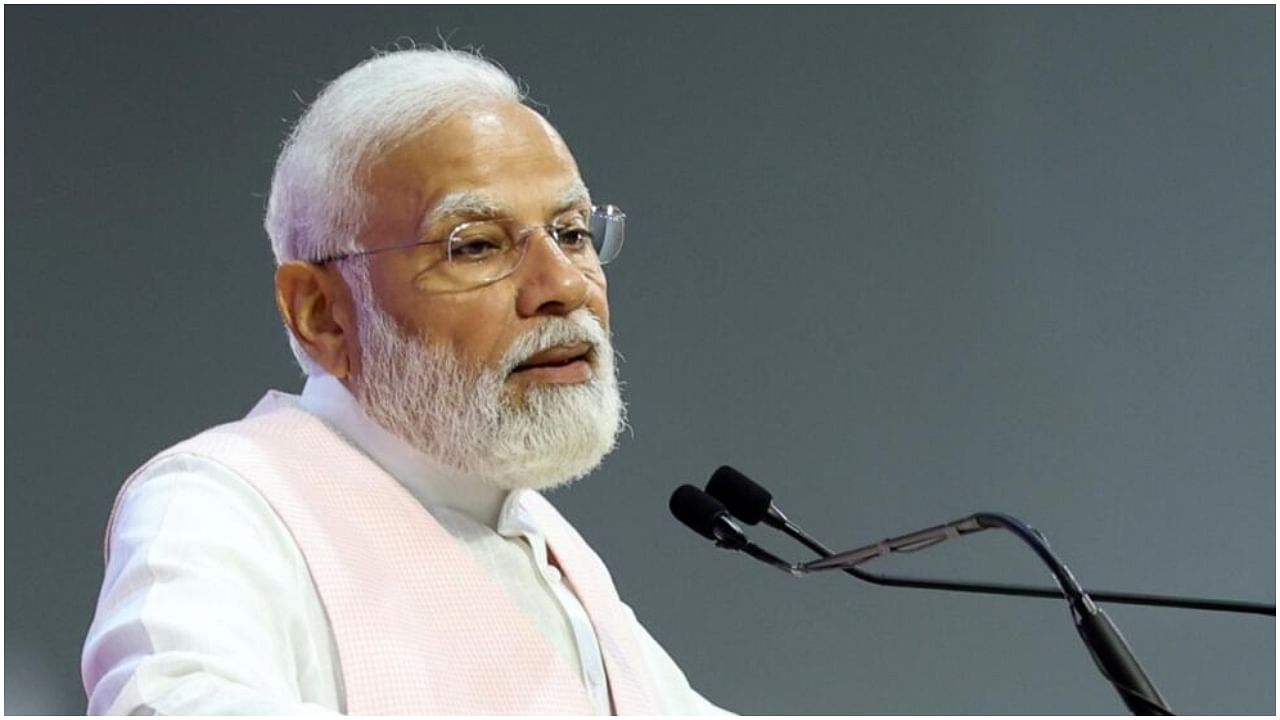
{"type": "Point", "coordinates": [466, 419]}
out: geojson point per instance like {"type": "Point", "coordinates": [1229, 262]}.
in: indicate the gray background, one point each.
{"type": "Point", "coordinates": [899, 264]}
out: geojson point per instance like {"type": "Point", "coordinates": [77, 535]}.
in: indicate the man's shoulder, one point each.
{"type": "Point", "coordinates": [186, 486]}
{"type": "Point", "coordinates": [254, 433]}
{"type": "Point", "coordinates": [207, 468]}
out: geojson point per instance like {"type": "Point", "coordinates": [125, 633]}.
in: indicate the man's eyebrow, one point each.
{"type": "Point", "coordinates": [473, 204]}
{"type": "Point", "coordinates": [574, 194]}
{"type": "Point", "coordinates": [482, 206]}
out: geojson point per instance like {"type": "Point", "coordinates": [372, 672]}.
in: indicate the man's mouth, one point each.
{"type": "Point", "coordinates": [562, 364]}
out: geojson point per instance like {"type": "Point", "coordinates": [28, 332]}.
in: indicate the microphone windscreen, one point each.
{"type": "Point", "coordinates": [696, 509]}
{"type": "Point", "coordinates": [746, 500]}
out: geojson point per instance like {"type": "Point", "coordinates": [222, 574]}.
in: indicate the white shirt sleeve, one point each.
{"type": "Point", "coordinates": [206, 606]}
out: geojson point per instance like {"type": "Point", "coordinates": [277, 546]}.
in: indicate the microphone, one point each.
{"type": "Point", "coordinates": [751, 503]}
{"type": "Point", "coordinates": [708, 517]}
{"type": "Point", "coordinates": [745, 498]}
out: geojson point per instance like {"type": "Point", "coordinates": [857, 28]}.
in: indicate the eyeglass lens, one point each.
{"type": "Point", "coordinates": [483, 252]}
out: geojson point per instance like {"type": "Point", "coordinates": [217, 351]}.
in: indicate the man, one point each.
{"type": "Point", "coordinates": [378, 544]}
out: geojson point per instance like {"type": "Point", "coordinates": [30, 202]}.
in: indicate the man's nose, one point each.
{"type": "Point", "coordinates": [550, 283]}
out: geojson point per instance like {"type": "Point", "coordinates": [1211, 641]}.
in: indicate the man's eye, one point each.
{"type": "Point", "coordinates": [474, 249]}
{"type": "Point", "coordinates": [577, 238]}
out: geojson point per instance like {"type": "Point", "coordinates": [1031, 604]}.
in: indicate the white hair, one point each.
{"type": "Point", "coordinates": [316, 207]}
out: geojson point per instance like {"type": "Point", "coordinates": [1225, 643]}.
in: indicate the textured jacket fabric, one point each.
{"type": "Point", "coordinates": [419, 626]}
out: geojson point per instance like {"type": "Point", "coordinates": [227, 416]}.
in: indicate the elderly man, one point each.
{"type": "Point", "coordinates": [378, 544]}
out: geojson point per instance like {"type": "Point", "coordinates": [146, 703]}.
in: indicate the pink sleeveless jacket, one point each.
{"type": "Point", "coordinates": [420, 627]}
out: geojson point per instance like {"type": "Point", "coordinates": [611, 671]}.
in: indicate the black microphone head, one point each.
{"type": "Point", "coordinates": [741, 496]}
{"type": "Point", "coordinates": [696, 509]}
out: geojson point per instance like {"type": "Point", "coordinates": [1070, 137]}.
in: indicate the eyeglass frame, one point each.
{"type": "Point", "coordinates": [522, 234]}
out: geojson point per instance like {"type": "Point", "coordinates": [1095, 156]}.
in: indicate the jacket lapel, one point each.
{"type": "Point", "coordinates": [631, 687]}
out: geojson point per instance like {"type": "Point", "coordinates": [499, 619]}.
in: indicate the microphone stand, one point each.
{"type": "Point", "coordinates": [1110, 652]}
{"type": "Point", "coordinates": [705, 513]}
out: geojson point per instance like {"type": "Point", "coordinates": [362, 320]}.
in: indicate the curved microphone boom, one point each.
{"type": "Point", "coordinates": [751, 503]}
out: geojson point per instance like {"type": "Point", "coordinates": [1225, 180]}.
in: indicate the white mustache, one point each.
{"type": "Point", "coordinates": [578, 326]}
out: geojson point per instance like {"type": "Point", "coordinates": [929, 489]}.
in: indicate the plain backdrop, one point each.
{"type": "Point", "coordinates": [899, 264]}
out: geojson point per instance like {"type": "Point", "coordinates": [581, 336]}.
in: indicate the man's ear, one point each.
{"type": "Point", "coordinates": [317, 309]}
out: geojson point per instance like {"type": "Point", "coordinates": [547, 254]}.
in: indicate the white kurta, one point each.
{"type": "Point", "coordinates": [193, 541]}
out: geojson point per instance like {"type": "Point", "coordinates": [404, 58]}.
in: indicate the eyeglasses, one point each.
{"type": "Point", "coordinates": [485, 251]}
